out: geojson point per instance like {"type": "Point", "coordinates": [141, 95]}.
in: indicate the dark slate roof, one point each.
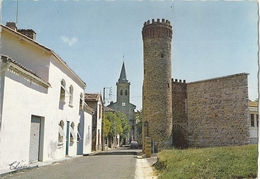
{"type": "Point", "coordinates": [122, 78]}
{"type": "Point", "coordinates": [107, 109]}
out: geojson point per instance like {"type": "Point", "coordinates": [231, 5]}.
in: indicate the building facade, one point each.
{"type": "Point", "coordinates": [42, 102]}
{"type": "Point", "coordinates": [122, 103]}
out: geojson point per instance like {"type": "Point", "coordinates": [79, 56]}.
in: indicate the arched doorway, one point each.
{"type": "Point", "coordinates": [180, 137]}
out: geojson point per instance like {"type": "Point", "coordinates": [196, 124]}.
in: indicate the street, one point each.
{"type": "Point", "coordinates": [119, 163]}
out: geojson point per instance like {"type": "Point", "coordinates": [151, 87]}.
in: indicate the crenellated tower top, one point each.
{"type": "Point", "coordinates": [157, 29]}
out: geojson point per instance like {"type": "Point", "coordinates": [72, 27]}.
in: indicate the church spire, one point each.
{"type": "Point", "coordinates": [122, 78]}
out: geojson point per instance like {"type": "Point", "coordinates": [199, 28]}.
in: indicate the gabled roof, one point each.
{"type": "Point", "coordinates": [17, 66]}
{"type": "Point", "coordinates": [88, 108]}
{"type": "Point", "coordinates": [44, 48]}
{"type": "Point", "coordinates": [92, 97]}
{"type": "Point", "coordinates": [122, 78]}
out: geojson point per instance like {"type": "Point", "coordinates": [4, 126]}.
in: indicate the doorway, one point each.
{"type": "Point", "coordinates": [67, 137]}
{"type": "Point", "coordinates": [35, 139]}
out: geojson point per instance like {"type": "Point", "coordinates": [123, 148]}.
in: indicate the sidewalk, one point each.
{"type": "Point", "coordinates": [144, 169]}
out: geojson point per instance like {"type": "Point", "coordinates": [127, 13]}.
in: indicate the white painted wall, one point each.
{"type": "Point", "coordinates": [99, 125]}
{"type": "Point", "coordinates": [87, 136]}
{"type": "Point", "coordinates": [21, 100]}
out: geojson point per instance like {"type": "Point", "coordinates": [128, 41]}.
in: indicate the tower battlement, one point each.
{"type": "Point", "coordinates": [180, 81]}
{"type": "Point", "coordinates": [166, 22]}
{"type": "Point", "coordinates": [157, 29]}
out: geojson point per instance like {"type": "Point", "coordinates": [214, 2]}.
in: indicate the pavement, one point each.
{"type": "Point", "coordinates": [143, 170]}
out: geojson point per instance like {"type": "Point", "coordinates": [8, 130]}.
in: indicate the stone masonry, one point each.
{"type": "Point", "coordinates": [218, 112]}
{"type": "Point", "coordinates": [206, 113]}
{"type": "Point", "coordinates": [157, 104]}
{"type": "Point", "coordinates": [179, 113]}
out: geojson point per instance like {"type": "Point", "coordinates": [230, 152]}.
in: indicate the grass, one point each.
{"type": "Point", "coordinates": [220, 162]}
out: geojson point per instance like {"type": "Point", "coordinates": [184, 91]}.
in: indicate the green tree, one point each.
{"type": "Point", "coordinates": [116, 123]}
{"type": "Point", "coordinates": [107, 126]}
{"type": "Point", "coordinates": [139, 121]}
{"type": "Point", "coordinates": [115, 127]}
{"type": "Point", "coordinates": [126, 127]}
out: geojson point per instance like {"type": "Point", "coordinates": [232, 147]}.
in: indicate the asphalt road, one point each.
{"type": "Point", "coordinates": [116, 164]}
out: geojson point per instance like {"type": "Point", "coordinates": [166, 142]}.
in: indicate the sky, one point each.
{"type": "Point", "coordinates": [94, 37]}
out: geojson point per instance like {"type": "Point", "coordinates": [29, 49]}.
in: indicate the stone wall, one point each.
{"type": "Point", "coordinates": [218, 112]}
{"type": "Point", "coordinates": [179, 114]}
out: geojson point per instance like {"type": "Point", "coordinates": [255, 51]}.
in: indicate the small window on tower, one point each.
{"type": "Point", "coordinates": [126, 92]}
{"type": "Point", "coordinates": [121, 92]}
{"type": "Point", "coordinates": [123, 104]}
{"type": "Point", "coordinates": [161, 55]}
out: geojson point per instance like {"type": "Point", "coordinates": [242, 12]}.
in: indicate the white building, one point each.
{"type": "Point", "coordinates": [253, 112]}
{"type": "Point", "coordinates": [42, 103]}
{"type": "Point", "coordinates": [94, 100]}
{"type": "Point", "coordinates": [84, 131]}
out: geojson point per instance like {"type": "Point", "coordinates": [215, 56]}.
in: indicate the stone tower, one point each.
{"type": "Point", "coordinates": [157, 84]}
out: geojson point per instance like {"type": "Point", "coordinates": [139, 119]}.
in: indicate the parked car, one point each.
{"type": "Point", "coordinates": [134, 145]}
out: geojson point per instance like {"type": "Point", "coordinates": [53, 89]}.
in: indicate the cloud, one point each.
{"type": "Point", "coordinates": [71, 41]}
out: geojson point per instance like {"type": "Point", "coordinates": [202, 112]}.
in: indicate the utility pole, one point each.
{"type": "Point", "coordinates": [103, 111]}
{"type": "Point", "coordinates": [16, 21]}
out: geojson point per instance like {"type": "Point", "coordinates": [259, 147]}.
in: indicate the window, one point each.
{"type": "Point", "coordinates": [78, 134]}
{"type": "Point", "coordinates": [61, 132]}
{"type": "Point", "coordinates": [81, 102]}
{"type": "Point", "coordinates": [257, 120]}
{"type": "Point", "coordinates": [72, 133]}
{"type": "Point", "coordinates": [71, 95]}
{"type": "Point", "coordinates": [252, 117]}
{"type": "Point", "coordinates": [62, 91]}
{"type": "Point", "coordinates": [126, 92]}
{"type": "Point", "coordinates": [121, 92]}
{"type": "Point", "coordinates": [161, 55]}
{"type": "Point", "coordinates": [123, 104]}
{"type": "Point", "coordinates": [99, 111]}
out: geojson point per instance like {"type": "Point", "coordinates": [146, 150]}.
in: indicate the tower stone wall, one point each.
{"type": "Point", "coordinates": [179, 113]}
{"type": "Point", "coordinates": [157, 93]}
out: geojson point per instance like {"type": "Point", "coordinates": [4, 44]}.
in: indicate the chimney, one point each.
{"type": "Point", "coordinates": [11, 25]}
{"type": "Point", "coordinates": [28, 32]}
